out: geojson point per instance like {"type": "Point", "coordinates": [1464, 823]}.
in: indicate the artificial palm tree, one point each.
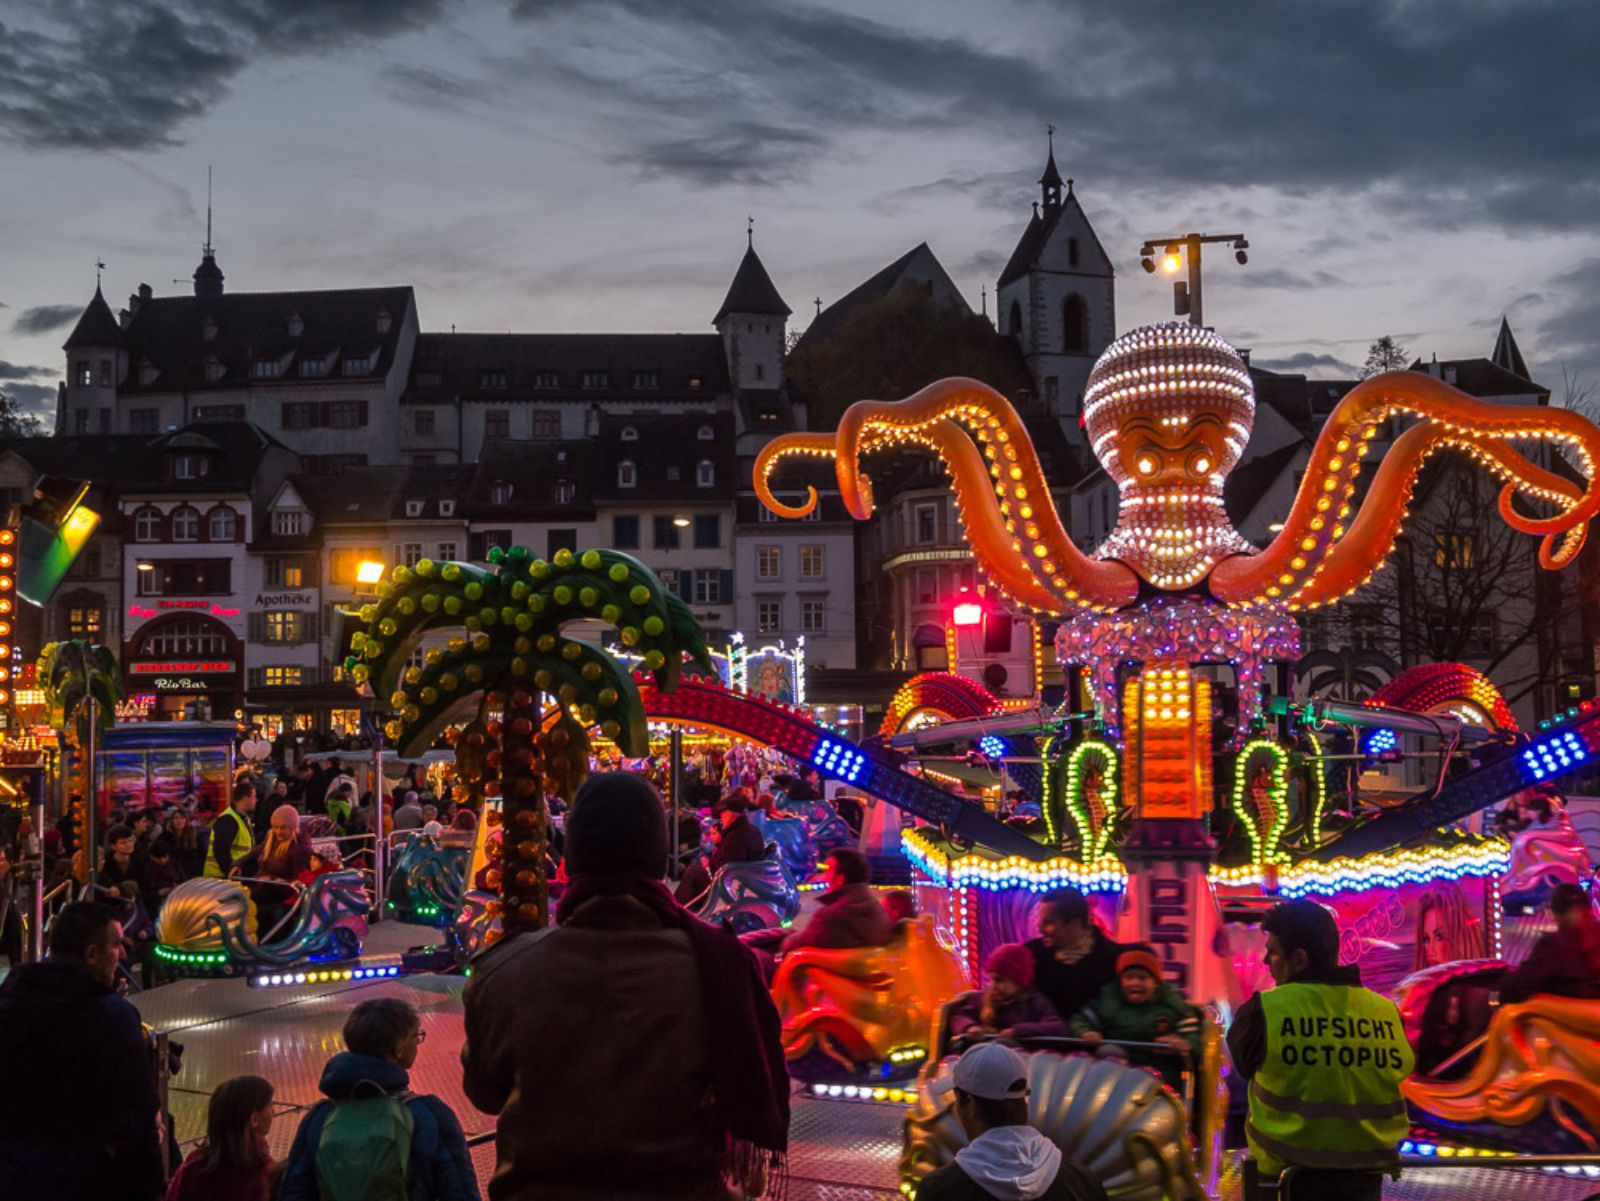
{"type": "Point", "coordinates": [514, 656]}
{"type": "Point", "coordinates": [81, 686]}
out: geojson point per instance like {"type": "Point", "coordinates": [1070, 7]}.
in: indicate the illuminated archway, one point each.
{"type": "Point", "coordinates": [1455, 689]}
{"type": "Point", "coordinates": [934, 697]}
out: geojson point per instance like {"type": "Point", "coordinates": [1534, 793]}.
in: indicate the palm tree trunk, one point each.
{"type": "Point", "coordinates": [524, 883]}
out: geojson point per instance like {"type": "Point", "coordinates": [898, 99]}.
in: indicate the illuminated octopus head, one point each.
{"type": "Point", "coordinates": [1169, 406]}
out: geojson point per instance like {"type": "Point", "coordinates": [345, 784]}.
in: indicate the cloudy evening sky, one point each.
{"type": "Point", "coordinates": [1415, 167]}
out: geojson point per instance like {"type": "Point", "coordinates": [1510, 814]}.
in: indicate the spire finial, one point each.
{"type": "Point", "coordinates": [985, 295]}
{"type": "Point", "coordinates": [750, 233]}
{"type": "Point", "coordinates": [818, 303]}
{"type": "Point", "coordinates": [206, 251]}
{"type": "Point", "coordinates": [99, 266]}
{"type": "Point", "coordinates": [1050, 132]}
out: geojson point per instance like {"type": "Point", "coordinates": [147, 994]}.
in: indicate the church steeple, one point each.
{"type": "Point", "coordinates": [1507, 354]}
{"type": "Point", "coordinates": [1050, 181]}
{"type": "Point", "coordinates": [208, 276]}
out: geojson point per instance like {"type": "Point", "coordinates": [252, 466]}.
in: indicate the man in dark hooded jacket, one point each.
{"type": "Point", "coordinates": [1565, 962]}
{"type": "Point", "coordinates": [78, 1107]}
{"type": "Point", "coordinates": [850, 914]}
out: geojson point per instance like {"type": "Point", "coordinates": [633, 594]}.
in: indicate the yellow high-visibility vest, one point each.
{"type": "Point", "coordinates": [1328, 1094]}
{"type": "Point", "coordinates": [242, 842]}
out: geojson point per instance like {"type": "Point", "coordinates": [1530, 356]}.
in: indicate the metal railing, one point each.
{"type": "Point", "coordinates": [1260, 1188]}
{"type": "Point", "coordinates": [45, 907]}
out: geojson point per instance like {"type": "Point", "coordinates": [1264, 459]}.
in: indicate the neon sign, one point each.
{"type": "Point", "coordinates": [169, 667]}
{"type": "Point", "coordinates": [208, 607]}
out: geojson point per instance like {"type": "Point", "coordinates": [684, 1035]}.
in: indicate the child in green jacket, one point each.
{"type": "Point", "coordinates": [1139, 1007]}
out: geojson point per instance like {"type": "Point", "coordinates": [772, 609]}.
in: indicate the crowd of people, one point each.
{"type": "Point", "coordinates": [679, 1009]}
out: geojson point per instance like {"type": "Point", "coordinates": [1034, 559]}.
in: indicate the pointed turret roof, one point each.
{"type": "Point", "coordinates": [1507, 355]}
{"type": "Point", "coordinates": [208, 276]}
{"type": "Point", "coordinates": [1051, 177]}
{"type": "Point", "coordinates": [97, 327]}
{"type": "Point", "coordinates": [752, 291]}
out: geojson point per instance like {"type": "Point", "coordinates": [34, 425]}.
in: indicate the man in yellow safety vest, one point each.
{"type": "Point", "coordinates": [231, 838]}
{"type": "Point", "coordinates": [1324, 1058]}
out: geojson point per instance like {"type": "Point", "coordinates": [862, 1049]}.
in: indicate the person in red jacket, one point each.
{"type": "Point", "coordinates": [1565, 962]}
{"type": "Point", "coordinates": [233, 1163]}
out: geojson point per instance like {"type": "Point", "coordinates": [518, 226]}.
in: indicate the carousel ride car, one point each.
{"type": "Point", "coordinates": [759, 894]}
{"type": "Point", "coordinates": [427, 881]}
{"type": "Point", "coordinates": [208, 927]}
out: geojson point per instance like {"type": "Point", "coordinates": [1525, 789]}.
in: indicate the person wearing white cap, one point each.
{"type": "Point", "coordinates": [1006, 1159]}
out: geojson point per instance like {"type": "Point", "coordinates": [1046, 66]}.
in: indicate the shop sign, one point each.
{"type": "Point", "coordinates": [190, 667]}
{"type": "Point", "coordinates": [285, 600]}
{"type": "Point", "coordinates": [169, 606]}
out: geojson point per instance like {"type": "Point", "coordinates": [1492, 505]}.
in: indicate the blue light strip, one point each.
{"type": "Point", "coordinates": [838, 759]}
{"type": "Point", "coordinates": [1550, 756]}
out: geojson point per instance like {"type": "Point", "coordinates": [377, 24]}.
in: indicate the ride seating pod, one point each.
{"type": "Point", "coordinates": [829, 831]}
{"type": "Point", "coordinates": [1121, 1124]}
{"type": "Point", "coordinates": [1541, 858]}
{"type": "Point", "coordinates": [865, 1013]}
{"type": "Point", "coordinates": [759, 894]}
{"type": "Point", "coordinates": [1523, 1077]}
{"type": "Point", "coordinates": [427, 881]}
{"type": "Point", "coordinates": [207, 927]}
{"type": "Point", "coordinates": [793, 838]}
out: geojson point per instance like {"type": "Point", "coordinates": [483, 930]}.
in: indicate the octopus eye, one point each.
{"type": "Point", "coordinates": [1146, 464]}
{"type": "Point", "coordinates": [1200, 463]}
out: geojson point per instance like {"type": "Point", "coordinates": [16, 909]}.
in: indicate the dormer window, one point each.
{"type": "Point", "coordinates": [447, 508]}
{"type": "Point", "coordinates": [358, 364]}
{"type": "Point", "coordinates": [208, 329]}
{"type": "Point", "coordinates": [565, 491]}
{"type": "Point", "coordinates": [696, 382]}
{"type": "Point", "coordinates": [266, 369]}
{"type": "Point", "coordinates": [500, 492]}
{"type": "Point", "coordinates": [705, 474]}
{"type": "Point", "coordinates": [629, 434]}
{"type": "Point", "coordinates": [288, 523]}
{"type": "Point", "coordinates": [190, 466]}
{"type": "Point", "coordinates": [313, 368]}
{"type": "Point", "coordinates": [494, 381]}
{"type": "Point", "coordinates": [706, 434]}
{"type": "Point", "coordinates": [627, 474]}
{"type": "Point", "coordinates": [413, 508]}
{"type": "Point", "coordinates": [646, 381]}
{"type": "Point", "coordinates": [384, 321]}
{"type": "Point", "coordinates": [546, 380]}
{"type": "Point", "coordinates": [596, 379]}
{"type": "Point", "coordinates": [295, 325]}
{"type": "Point", "coordinates": [215, 370]}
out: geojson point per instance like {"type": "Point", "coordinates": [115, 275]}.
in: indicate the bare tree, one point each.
{"type": "Point", "coordinates": [1384, 355]}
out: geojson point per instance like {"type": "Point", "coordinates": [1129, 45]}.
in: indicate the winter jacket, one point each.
{"type": "Point", "coordinates": [1029, 1015]}
{"type": "Point", "coordinates": [286, 864]}
{"type": "Point", "coordinates": [441, 1166]}
{"type": "Point", "coordinates": [850, 916]}
{"type": "Point", "coordinates": [1071, 986]}
{"type": "Point", "coordinates": [1166, 1012]}
{"type": "Point", "coordinates": [78, 1105]}
{"type": "Point", "coordinates": [588, 1041]}
{"type": "Point", "coordinates": [192, 1182]}
{"type": "Point", "coordinates": [1563, 963]}
{"type": "Point", "coordinates": [741, 842]}
{"type": "Point", "coordinates": [1010, 1163]}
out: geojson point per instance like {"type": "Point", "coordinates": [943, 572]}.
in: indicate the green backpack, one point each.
{"type": "Point", "coordinates": [364, 1153]}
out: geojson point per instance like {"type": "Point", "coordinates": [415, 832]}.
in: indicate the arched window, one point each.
{"type": "Point", "coordinates": [705, 473]}
{"type": "Point", "coordinates": [500, 492]}
{"type": "Point", "coordinates": [185, 637]}
{"type": "Point", "coordinates": [627, 474]}
{"type": "Point", "coordinates": [1016, 319]}
{"type": "Point", "coordinates": [1074, 325]}
{"type": "Point", "coordinates": [1072, 252]}
{"type": "Point", "coordinates": [147, 525]}
{"type": "Point", "coordinates": [224, 525]}
{"type": "Point", "coordinates": [185, 525]}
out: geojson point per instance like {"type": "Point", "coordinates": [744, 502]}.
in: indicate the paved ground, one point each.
{"type": "Point", "coordinates": [840, 1150]}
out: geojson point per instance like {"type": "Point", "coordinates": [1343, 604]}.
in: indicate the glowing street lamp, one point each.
{"type": "Point", "coordinates": [967, 614]}
{"type": "Point", "coordinates": [369, 573]}
{"type": "Point", "coordinates": [1186, 296]}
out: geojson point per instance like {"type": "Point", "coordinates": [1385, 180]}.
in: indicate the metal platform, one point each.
{"type": "Point", "coordinates": [839, 1150]}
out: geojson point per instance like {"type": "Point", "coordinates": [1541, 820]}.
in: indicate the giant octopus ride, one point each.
{"type": "Point", "coordinates": [1175, 625]}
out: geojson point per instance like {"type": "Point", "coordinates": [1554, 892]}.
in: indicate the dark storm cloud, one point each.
{"type": "Point", "coordinates": [1306, 363]}
{"type": "Point", "coordinates": [93, 75]}
{"type": "Point", "coordinates": [15, 371]}
{"type": "Point", "coordinates": [41, 319]}
{"type": "Point", "coordinates": [39, 398]}
{"type": "Point", "coordinates": [1459, 112]}
{"type": "Point", "coordinates": [735, 152]}
{"type": "Point", "coordinates": [1570, 337]}
{"type": "Point", "coordinates": [1279, 278]}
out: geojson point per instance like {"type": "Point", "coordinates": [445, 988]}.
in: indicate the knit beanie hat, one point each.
{"type": "Point", "coordinates": [617, 827]}
{"type": "Point", "coordinates": [1141, 960]}
{"type": "Point", "coordinates": [1012, 962]}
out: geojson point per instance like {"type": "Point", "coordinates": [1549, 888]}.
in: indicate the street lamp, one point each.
{"type": "Point", "coordinates": [681, 521]}
{"type": "Point", "coordinates": [369, 572]}
{"type": "Point", "coordinates": [1186, 296]}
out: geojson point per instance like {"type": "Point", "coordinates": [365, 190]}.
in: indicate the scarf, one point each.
{"type": "Point", "coordinates": [750, 1091]}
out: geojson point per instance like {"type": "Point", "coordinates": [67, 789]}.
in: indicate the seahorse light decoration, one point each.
{"type": "Point", "coordinates": [1167, 411]}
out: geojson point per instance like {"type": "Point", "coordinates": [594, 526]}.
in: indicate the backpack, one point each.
{"type": "Point", "coordinates": [364, 1153]}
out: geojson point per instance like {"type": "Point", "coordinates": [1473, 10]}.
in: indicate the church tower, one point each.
{"type": "Point", "coordinates": [1057, 296]}
{"type": "Point", "coordinates": [94, 369]}
{"type": "Point", "coordinates": [751, 321]}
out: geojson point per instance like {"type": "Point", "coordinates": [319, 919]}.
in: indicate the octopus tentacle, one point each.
{"type": "Point", "coordinates": [773, 453]}
{"type": "Point", "coordinates": [1315, 559]}
{"type": "Point", "coordinates": [1011, 520]}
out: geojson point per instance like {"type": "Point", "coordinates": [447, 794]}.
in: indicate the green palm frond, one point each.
{"type": "Point", "coordinates": [72, 671]}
